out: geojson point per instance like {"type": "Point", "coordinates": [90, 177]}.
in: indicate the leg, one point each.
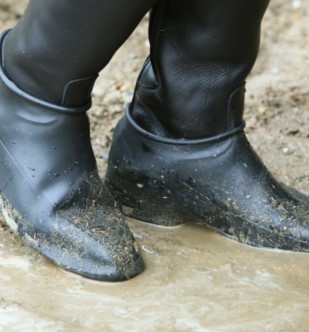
{"type": "Point", "coordinates": [189, 157]}
{"type": "Point", "coordinates": [58, 47]}
{"type": "Point", "coordinates": [50, 190]}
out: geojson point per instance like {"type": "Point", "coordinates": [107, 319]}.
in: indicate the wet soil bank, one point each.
{"type": "Point", "coordinates": [195, 280]}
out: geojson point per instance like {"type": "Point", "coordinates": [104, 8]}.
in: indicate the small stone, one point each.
{"type": "Point", "coordinates": [262, 110]}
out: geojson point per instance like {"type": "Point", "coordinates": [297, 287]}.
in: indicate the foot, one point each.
{"type": "Point", "coordinates": [51, 195]}
{"type": "Point", "coordinates": [219, 182]}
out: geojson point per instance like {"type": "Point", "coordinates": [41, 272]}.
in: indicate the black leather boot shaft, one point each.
{"type": "Point", "coordinates": [201, 54]}
{"type": "Point", "coordinates": [58, 47]}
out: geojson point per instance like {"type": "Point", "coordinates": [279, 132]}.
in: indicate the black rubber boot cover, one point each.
{"type": "Point", "coordinates": [219, 182]}
{"type": "Point", "coordinates": [51, 194]}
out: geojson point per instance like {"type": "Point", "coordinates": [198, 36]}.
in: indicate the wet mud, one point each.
{"type": "Point", "coordinates": [195, 280]}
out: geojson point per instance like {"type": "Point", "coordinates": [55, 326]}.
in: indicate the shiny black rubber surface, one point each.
{"type": "Point", "coordinates": [51, 194]}
{"type": "Point", "coordinates": [220, 183]}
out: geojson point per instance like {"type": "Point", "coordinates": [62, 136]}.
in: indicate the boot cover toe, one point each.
{"type": "Point", "coordinates": [91, 241]}
{"type": "Point", "coordinates": [219, 182]}
{"type": "Point", "coordinates": [51, 195]}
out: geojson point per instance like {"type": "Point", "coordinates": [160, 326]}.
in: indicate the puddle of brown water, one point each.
{"type": "Point", "coordinates": [195, 281]}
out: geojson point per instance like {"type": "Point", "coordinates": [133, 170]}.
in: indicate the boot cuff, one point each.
{"type": "Point", "coordinates": [180, 141]}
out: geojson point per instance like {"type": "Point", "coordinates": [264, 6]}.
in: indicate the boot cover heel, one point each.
{"type": "Point", "coordinates": [51, 195]}
{"type": "Point", "coordinates": [218, 182]}
{"type": "Point", "coordinates": [140, 201]}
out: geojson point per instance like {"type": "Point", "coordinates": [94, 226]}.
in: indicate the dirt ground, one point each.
{"type": "Point", "coordinates": [195, 280]}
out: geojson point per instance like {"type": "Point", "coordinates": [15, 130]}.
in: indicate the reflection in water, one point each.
{"type": "Point", "coordinates": [195, 281]}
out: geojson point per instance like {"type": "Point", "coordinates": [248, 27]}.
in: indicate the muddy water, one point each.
{"type": "Point", "coordinates": [195, 281]}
